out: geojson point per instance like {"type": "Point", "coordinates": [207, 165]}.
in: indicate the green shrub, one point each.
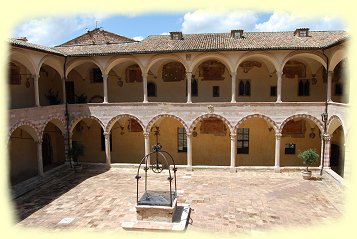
{"type": "Point", "coordinates": [309, 157]}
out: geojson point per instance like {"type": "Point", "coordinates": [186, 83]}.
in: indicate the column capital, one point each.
{"type": "Point", "coordinates": [106, 134]}
{"type": "Point", "coordinates": [188, 135]}
{"type": "Point", "coordinates": [36, 76]}
{"type": "Point", "coordinates": [146, 134]}
{"type": "Point", "coordinates": [278, 135]}
{"type": "Point", "coordinates": [39, 141]}
{"type": "Point", "coordinates": [234, 73]}
{"type": "Point", "coordinates": [105, 76]}
{"type": "Point", "coordinates": [144, 74]}
{"type": "Point", "coordinates": [233, 136]}
{"type": "Point", "coordinates": [326, 137]}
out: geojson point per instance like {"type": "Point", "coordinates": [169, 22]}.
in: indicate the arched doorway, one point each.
{"type": "Point", "coordinates": [53, 153]}
{"type": "Point", "coordinates": [89, 133]}
{"type": "Point", "coordinates": [22, 155]}
{"type": "Point", "coordinates": [298, 135]}
{"type": "Point", "coordinates": [127, 141]}
{"type": "Point", "coordinates": [211, 142]}
{"type": "Point", "coordinates": [255, 143]}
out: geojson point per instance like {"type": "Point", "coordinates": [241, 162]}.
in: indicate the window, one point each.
{"type": "Point", "coordinates": [272, 90]}
{"type": "Point", "coordinates": [290, 148]}
{"type": "Point", "coordinates": [15, 76]}
{"type": "Point", "coordinates": [304, 88]}
{"type": "Point", "coordinates": [243, 141]}
{"type": "Point", "coordinates": [181, 140]}
{"type": "Point", "coordinates": [96, 75]}
{"type": "Point", "coordinates": [338, 89]}
{"type": "Point", "coordinates": [133, 74]}
{"type": "Point", "coordinates": [194, 87]}
{"type": "Point", "coordinates": [102, 140]}
{"type": "Point", "coordinates": [215, 91]}
{"type": "Point", "coordinates": [151, 89]}
{"type": "Point", "coordinates": [244, 88]}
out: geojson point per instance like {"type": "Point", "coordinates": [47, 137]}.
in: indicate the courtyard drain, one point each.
{"type": "Point", "coordinates": [66, 220]}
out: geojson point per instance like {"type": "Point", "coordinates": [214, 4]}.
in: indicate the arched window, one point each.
{"type": "Point", "coordinates": [241, 88]}
{"type": "Point", "coordinates": [247, 88]}
{"type": "Point", "coordinates": [194, 87]}
{"type": "Point", "coordinates": [151, 89]}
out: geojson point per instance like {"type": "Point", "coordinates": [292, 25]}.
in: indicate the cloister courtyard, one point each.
{"type": "Point", "coordinates": [247, 201]}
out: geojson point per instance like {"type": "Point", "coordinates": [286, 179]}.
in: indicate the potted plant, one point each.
{"type": "Point", "coordinates": [309, 157]}
{"type": "Point", "coordinates": [75, 152]}
{"type": "Point", "coordinates": [52, 97]}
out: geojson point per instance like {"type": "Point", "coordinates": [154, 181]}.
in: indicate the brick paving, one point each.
{"type": "Point", "coordinates": [242, 202]}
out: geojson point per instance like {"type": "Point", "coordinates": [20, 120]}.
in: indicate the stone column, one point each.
{"type": "Point", "coordinates": [277, 152]}
{"type": "Point", "coordinates": [189, 151]}
{"type": "Point", "coordinates": [39, 158]}
{"type": "Point", "coordinates": [189, 88]}
{"type": "Point", "coordinates": [145, 85]}
{"type": "Point", "coordinates": [105, 88]}
{"type": "Point", "coordinates": [107, 148]}
{"type": "Point", "coordinates": [233, 152]}
{"type": "Point", "coordinates": [35, 85]}
{"type": "Point", "coordinates": [234, 87]}
{"type": "Point", "coordinates": [64, 90]}
{"type": "Point", "coordinates": [327, 139]}
{"type": "Point", "coordinates": [147, 145]}
{"type": "Point", "coordinates": [279, 85]}
{"type": "Point", "coordinates": [329, 86]}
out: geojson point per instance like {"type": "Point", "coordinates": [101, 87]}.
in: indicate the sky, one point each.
{"type": "Point", "coordinates": [52, 31]}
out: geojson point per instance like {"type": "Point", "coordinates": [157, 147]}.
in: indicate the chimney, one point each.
{"type": "Point", "coordinates": [302, 32]}
{"type": "Point", "coordinates": [22, 39]}
{"type": "Point", "coordinates": [237, 34]}
{"type": "Point", "coordinates": [176, 35]}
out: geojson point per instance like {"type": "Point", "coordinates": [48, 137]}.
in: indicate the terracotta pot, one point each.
{"type": "Point", "coordinates": [306, 174]}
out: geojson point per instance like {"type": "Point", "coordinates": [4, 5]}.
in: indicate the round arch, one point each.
{"type": "Point", "coordinates": [30, 128]}
{"type": "Point", "coordinates": [24, 59]}
{"type": "Point", "coordinates": [113, 120]}
{"type": "Point", "coordinates": [76, 62]}
{"type": "Point", "coordinates": [210, 115]}
{"type": "Point", "coordinates": [333, 123]}
{"type": "Point", "coordinates": [58, 122]}
{"type": "Point", "coordinates": [170, 57]}
{"type": "Point", "coordinates": [118, 60]}
{"type": "Point", "coordinates": [52, 62]}
{"type": "Point", "coordinates": [75, 121]}
{"type": "Point", "coordinates": [304, 116]}
{"type": "Point", "coordinates": [267, 57]}
{"type": "Point", "coordinates": [261, 116]}
{"type": "Point", "coordinates": [157, 117]}
{"type": "Point", "coordinates": [317, 56]}
{"type": "Point", "coordinates": [336, 58]}
{"type": "Point", "coordinates": [215, 56]}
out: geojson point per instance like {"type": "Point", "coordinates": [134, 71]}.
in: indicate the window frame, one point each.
{"type": "Point", "coordinates": [241, 141]}
{"type": "Point", "coordinates": [183, 140]}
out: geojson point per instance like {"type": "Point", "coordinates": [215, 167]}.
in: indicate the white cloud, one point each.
{"type": "Point", "coordinates": [51, 31]}
{"type": "Point", "coordinates": [202, 21]}
{"type": "Point", "coordinates": [138, 38]}
{"type": "Point", "coordinates": [289, 22]}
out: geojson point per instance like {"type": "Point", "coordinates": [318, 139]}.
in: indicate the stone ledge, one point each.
{"type": "Point", "coordinates": [180, 222]}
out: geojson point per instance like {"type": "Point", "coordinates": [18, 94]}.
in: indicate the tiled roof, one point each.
{"type": "Point", "coordinates": [211, 42]}
{"type": "Point", "coordinates": [97, 37]}
{"type": "Point", "coordinates": [26, 44]}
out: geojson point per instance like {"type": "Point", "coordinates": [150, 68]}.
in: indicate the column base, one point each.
{"type": "Point", "coordinates": [278, 101]}
{"type": "Point", "coordinates": [189, 102]}
{"type": "Point", "coordinates": [232, 169]}
{"type": "Point", "coordinates": [189, 168]}
{"type": "Point", "coordinates": [233, 101]}
{"type": "Point", "coordinates": [277, 169]}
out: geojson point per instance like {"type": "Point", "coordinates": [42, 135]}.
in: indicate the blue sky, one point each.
{"type": "Point", "coordinates": [51, 31]}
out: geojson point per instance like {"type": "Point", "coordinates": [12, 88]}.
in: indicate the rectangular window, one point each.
{"type": "Point", "coordinates": [215, 92]}
{"type": "Point", "coordinates": [96, 76]}
{"type": "Point", "coordinates": [272, 90]}
{"type": "Point", "coordinates": [338, 89]}
{"type": "Point", "coordinates": [102, 140]}
{"type": "Point", "coordinates": [181, 140]}
{"type": "Point", "coordinates": [290, 148]}
{"type": "Point", "coordinates": [243, 141]}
